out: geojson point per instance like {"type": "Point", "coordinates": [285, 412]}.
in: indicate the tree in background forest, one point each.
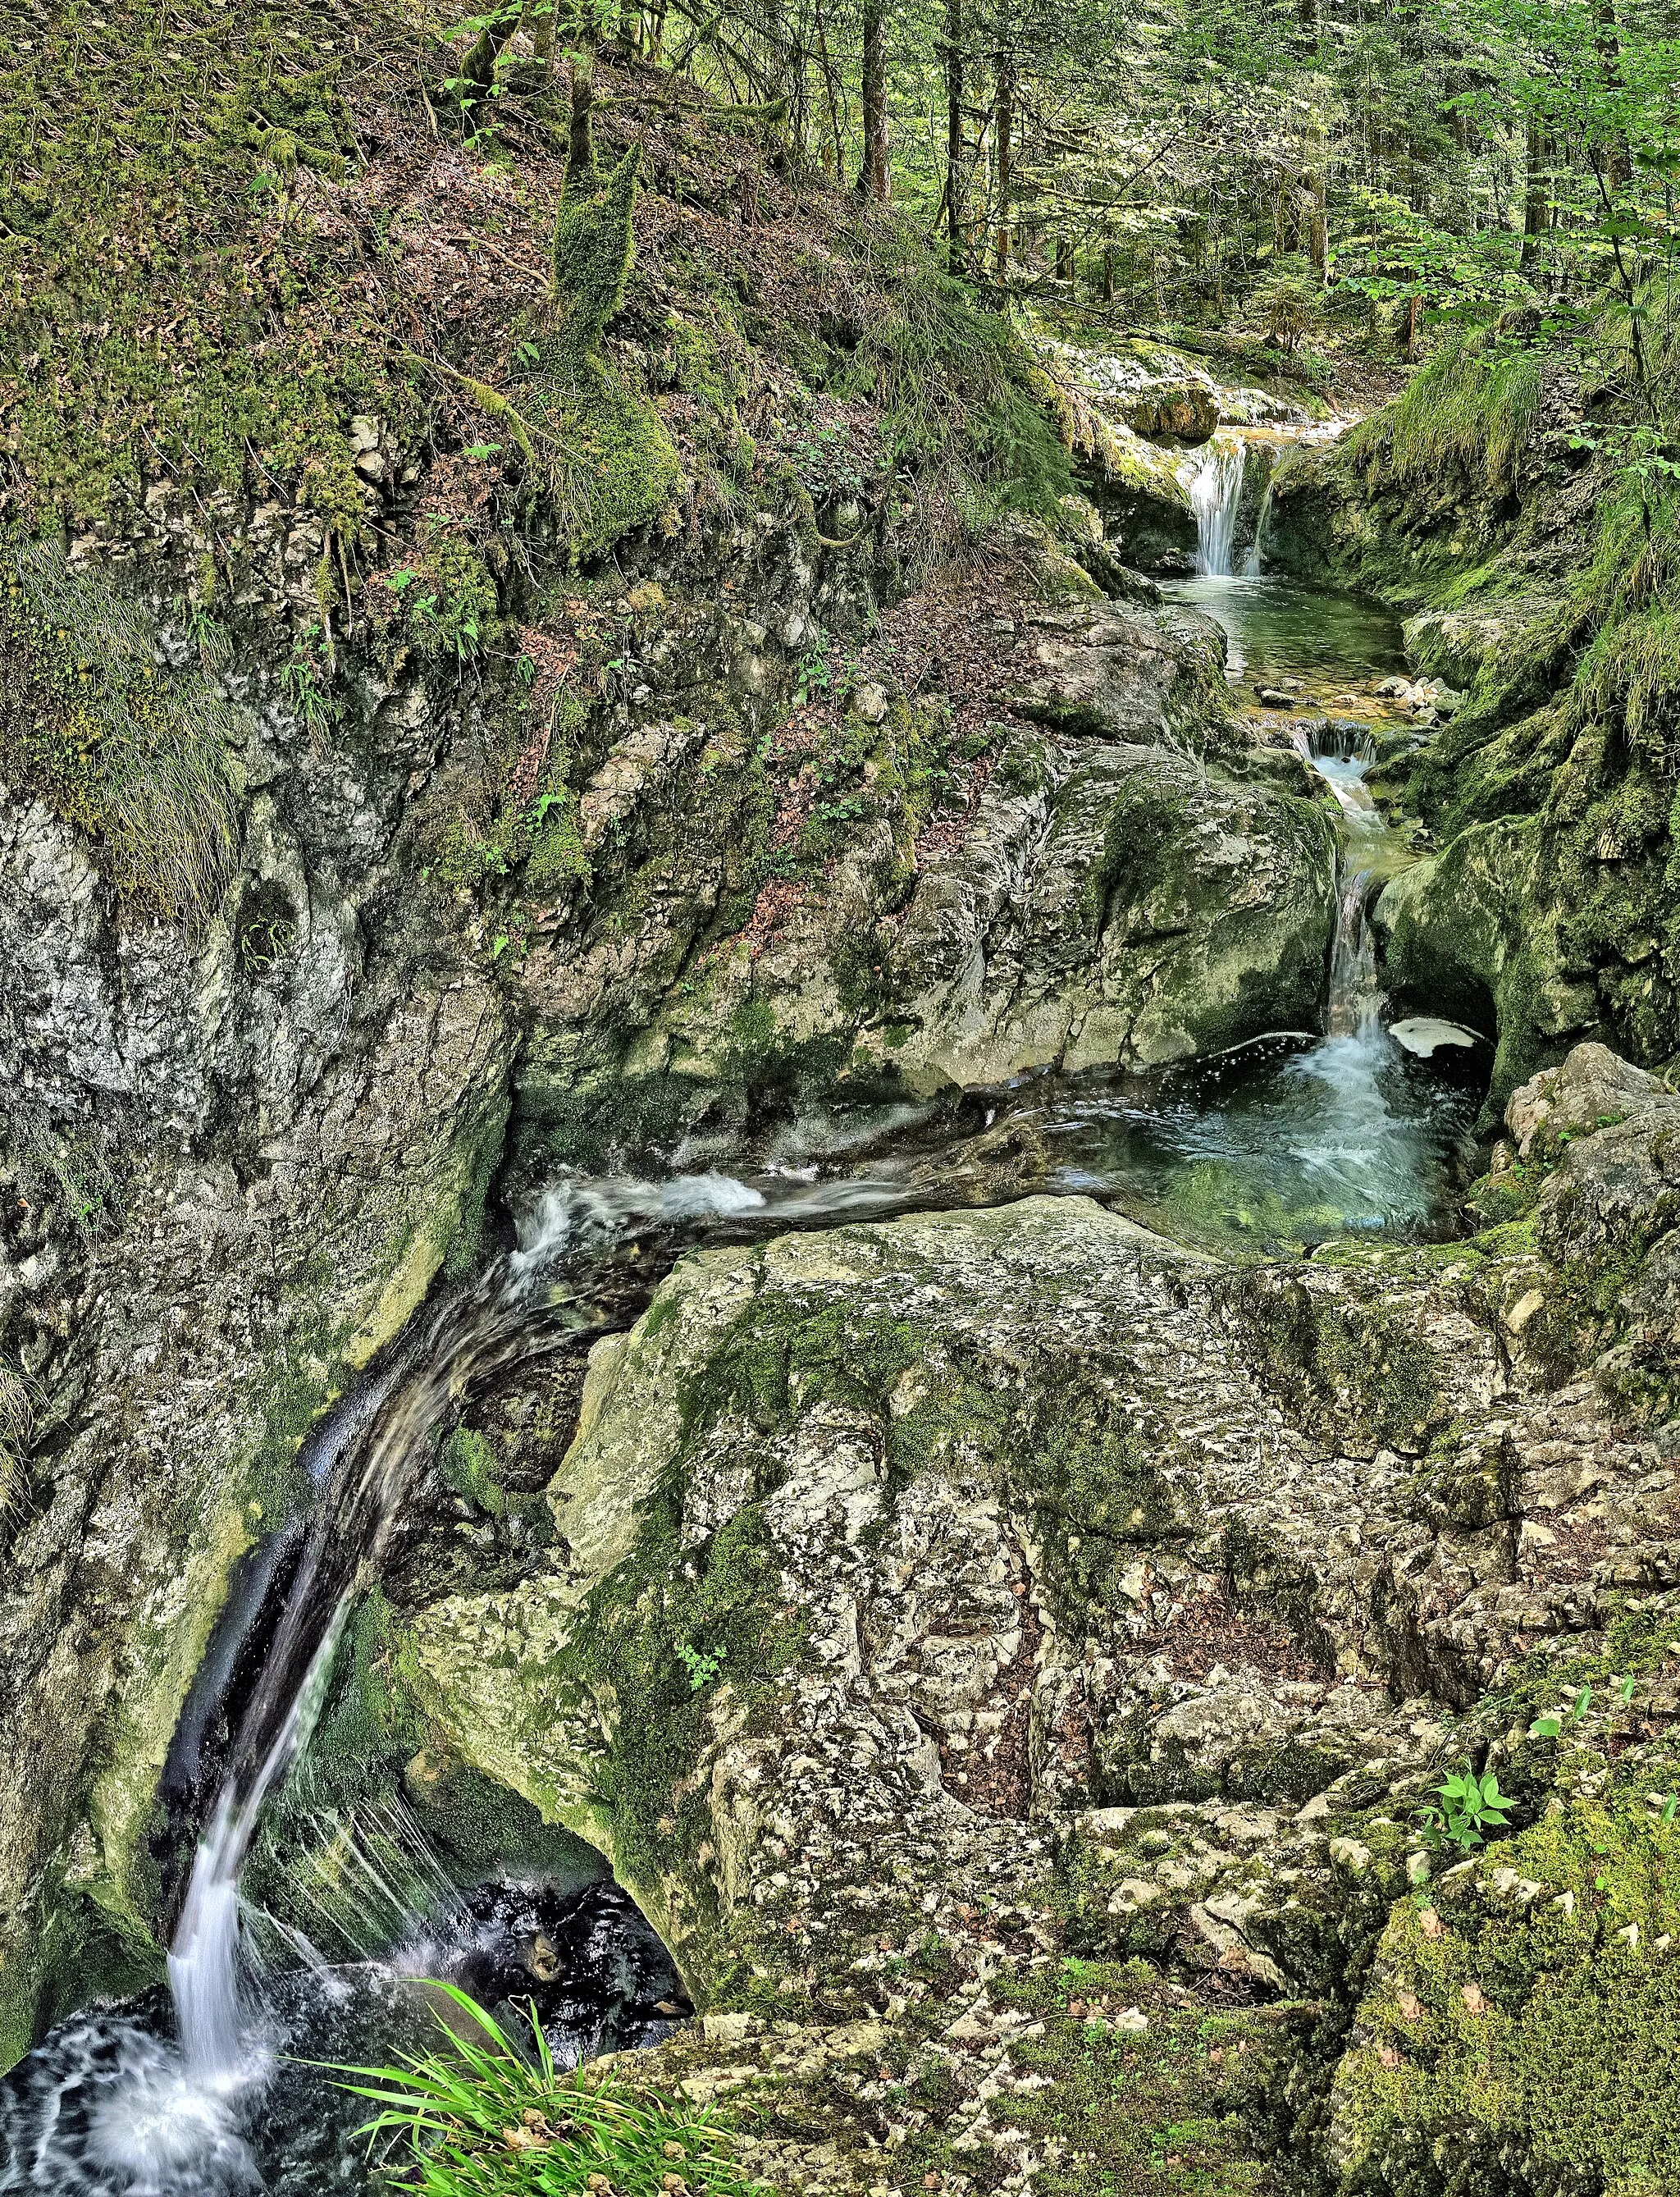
{"type": "Point", "coordinates": [1404, 159]}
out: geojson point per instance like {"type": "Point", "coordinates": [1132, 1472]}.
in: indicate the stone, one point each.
{"type": "Point", "coordinates": [1592, 1087]}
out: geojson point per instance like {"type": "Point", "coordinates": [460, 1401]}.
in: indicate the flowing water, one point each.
{"type": "Point", "coordinates": [200, 2092]}
{"type": "Point", "coordinates": [1212, 479]}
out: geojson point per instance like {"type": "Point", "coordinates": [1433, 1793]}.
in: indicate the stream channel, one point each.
{"type": "Point", "coordinates": [202, 2088]}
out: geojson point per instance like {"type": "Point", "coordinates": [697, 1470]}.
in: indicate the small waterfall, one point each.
{"type": "Point", "coordinates": [1212, 480]}
{"type": "Point", "coordinates": [168, 2122]}
{"type": "Point", "coordinates": [1253, 564]}
{"type": "Point", "coordinates": [1340, 753]}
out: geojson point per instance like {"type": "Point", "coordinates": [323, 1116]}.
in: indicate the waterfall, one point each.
{"type": "Point", "coordinates": [1341, 753]}
{"type": "Point", "coordinates": [1212, 479]}
{"type": "Point", "coordinates": [1252, 564]}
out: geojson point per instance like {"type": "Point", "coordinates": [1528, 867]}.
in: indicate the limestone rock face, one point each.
{"type": "Point", "coordinates": [1116, 894]}
{"type": "Point", "coordinates": [233, 1161]}
{"type": "Point", "coordinates": [1059, 1592]}
{"type": "Point", "coordinates": [1135, 907]}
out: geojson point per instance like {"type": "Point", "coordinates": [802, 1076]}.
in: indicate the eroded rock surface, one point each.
{"type": "Point", "coordinates": [949, 1614]}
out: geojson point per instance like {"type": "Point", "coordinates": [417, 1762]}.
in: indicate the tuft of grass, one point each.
{"type": "Point", "coordinates": [1474, 405]}
{"type": "Point", "coordinates": [964, 408]}
{"type": "Point", "coordinates": [17, 1428]}
{"type": "Point", "coordinates": [140, 759]}
{"type": "Point", "coordinates": [487, 2113]}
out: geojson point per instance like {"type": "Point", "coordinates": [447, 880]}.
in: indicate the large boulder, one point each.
{"type": "Point", "coordinates": [1114, 904]}
{"type": "Point", "coordinates": [950, 1611]}
{"type": "Point", "coordinates": [1117, 894]}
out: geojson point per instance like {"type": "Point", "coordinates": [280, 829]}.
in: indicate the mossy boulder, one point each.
{"type": "Point", "coordinates": [1522, 2026]}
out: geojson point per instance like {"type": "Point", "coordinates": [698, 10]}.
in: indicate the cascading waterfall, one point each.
{"type": "Point", "coordinates": [163, 2124]}
{"type": "Point", "coordinates": [1212, 480]}
{"type": "Point", "coordinates": [1254, 563]}
{"type": "Point", "coordinates": [1340, 755]}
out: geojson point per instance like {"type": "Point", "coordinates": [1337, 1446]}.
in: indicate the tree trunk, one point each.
{"type": "Point", "coordinates": [1003, 137]}
{"type": "Point", "coordinates": [1318, 229]}
{"type": "Point", "coordinates": [478, 71]}
{"type": "Point", "coordinates": [1537, 204]}
{"type": "Point", "coordinates": [1619, 161]}
{"type": "Point", "coordinates": [1107, 274]}
{"type": "Point", "coordinates": [874, 177]}
{"type": "Point", "coordinates": [954, 194]}
{"type": "Point", "coordinates": [580, 138]}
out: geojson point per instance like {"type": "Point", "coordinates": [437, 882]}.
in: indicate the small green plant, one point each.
{"type": "Point", "coordinates": [262, 942]}
{"type": "Point", "coordinates": [1551, 1727]}
{"type": "Point", "coordinates": [487, 2112]}
{"type": "Point", "coordinates": [1464, 1809]}
{"type": "Point", "coordinates": [702, 1667]}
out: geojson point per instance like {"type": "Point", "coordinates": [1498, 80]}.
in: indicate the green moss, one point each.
{"type": "Point", "coordinates": [1346, 1364]}
{"type": "Point", "coordinates": [1181, 2106]}
{"type": "Point", "coordinates": [146, 159]}
{"type": "Point", "coordinates": [609, 463]}
{"type": "Point", "coordinates": [467, 1467]}
{"type": "Point", "coordinates": [1537, 2032]}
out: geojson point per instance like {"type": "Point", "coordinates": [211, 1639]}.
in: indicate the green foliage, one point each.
{"type": "Point", "coordinates": [960, 398]}
{"type": "Point", "coordinates": [703, 1669]}
{"type": "Point", "coordinates": [489, 2113]}
{"type": "Point", "coordinates": [1288, 303]}
{"type": "Point", "coordinates": [1465, 1809]}
{"type": "Point", "coordinates": [446, 595]}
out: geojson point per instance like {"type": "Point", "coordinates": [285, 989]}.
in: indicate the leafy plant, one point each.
{"type": "Point", "coordinates": [702, 1667]}
{"type": "Point", "coordinates": [1466, 1808]}
{"type": "Point", "coordinates": [487, 2112]}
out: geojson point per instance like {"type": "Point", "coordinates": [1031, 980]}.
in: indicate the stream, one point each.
{"type": "Point", "coordinates": [201, 2089]}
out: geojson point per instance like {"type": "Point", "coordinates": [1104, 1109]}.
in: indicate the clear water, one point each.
{"type": "Point", "coordinates": [1340, 648]}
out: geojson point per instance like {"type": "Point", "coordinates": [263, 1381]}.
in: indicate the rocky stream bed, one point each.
{"type": "Point", "coordinates": [885, 1446]}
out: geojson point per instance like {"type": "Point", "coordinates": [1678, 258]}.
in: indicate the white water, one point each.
{"type": "Point", "coordinates": [1212, 479]}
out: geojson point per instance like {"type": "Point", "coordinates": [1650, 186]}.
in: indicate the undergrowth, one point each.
{"type": "Point", "coordinates": [1474, 405]}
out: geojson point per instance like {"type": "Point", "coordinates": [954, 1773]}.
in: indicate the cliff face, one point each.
{"type": "Point", "coordinates": [477, 653]}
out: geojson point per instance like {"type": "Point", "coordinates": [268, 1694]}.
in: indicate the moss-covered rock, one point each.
{"type": "Point", "coordinates": [1010, 1595]}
